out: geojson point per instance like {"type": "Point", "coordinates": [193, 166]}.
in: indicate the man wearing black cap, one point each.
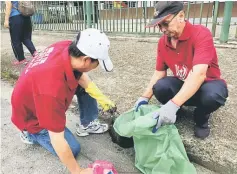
{"type": "Point", "coordinates": [188, 50]}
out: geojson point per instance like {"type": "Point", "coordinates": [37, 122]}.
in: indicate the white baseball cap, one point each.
{"type": "Point", "coordinates": [95, 44]}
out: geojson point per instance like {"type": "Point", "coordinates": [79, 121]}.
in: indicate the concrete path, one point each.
{"type": "Point", "coordinates": [19, 158]}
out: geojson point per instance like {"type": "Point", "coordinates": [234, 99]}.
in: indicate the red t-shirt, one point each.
{"type": "Point", "coordinates": [195, 46]}
{"type": "Point", "coordinates": [44, 91]}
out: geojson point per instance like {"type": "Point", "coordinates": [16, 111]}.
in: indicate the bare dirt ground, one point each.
{"type": "Point", "coordinates": [134, 64]}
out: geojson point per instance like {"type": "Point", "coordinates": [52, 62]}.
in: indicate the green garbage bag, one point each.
{"type": "Point", "coordinates": [155, 153]}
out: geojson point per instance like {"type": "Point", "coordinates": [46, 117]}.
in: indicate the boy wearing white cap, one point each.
{"type": "Point", "coordinates": [45, 90]}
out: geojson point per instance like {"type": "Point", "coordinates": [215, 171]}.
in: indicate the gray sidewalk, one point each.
{"type": "Point", "coordinates": [19, 158]}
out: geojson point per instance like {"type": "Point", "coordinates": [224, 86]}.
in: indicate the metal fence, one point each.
{"type": "Point", "coordinates": [129, 17]}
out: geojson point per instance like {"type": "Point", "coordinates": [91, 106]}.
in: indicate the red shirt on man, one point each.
{"type": "Point", "coordinates": [195, 46]}
{"type": "Point", "coordinates": [44, 91]}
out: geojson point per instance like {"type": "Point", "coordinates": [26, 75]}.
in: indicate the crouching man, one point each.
{"type": "Point", "coordinates": [45, 90]}
{"type": "Point", "coordinates": [189, 52]}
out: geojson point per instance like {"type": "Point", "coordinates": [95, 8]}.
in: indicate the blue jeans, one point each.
{"type": "Point", "coordinates": [87, 105]}
{"type": "Point", "coordinates": [42, 138]}
{"type": "Point", "coordinates": [88, 112]}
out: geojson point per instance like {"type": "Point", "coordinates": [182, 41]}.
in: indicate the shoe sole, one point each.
{"type": "Point", "coordinates": [88, 133]}
{"type": "Point", "coordinates": [82, 134]}
{"type": "Point", "coordinates": [25, 141]}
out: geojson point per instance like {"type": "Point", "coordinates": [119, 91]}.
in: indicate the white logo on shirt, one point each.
{"type": "Point", "coordinates": [181, 71]}
{"type": "Point", "coordinates": [39, 59]}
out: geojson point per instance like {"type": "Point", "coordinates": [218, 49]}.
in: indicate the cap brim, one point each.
{"type": "Point", "coordinates": [106, 64]}
{"type": "Point", "coordinates": [155, 22]}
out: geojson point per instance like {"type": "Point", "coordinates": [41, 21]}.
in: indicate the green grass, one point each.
{"type": "Point", "coordinates": [8, 72]}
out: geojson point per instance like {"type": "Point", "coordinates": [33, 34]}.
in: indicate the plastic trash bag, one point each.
{"type": "Point", "coordinates": [155, 153]}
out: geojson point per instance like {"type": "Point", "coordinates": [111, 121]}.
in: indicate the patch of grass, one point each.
{"type": "Point", "coordinates": [9, 76]}
{"type": "Point", "coordinates": [8, 73]}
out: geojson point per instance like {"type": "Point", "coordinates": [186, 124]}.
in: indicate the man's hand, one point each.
{"type": "Point", "coordinates": [166, 115]}
{"type": "Point", "coordinates": [95, 92]}
{"type": "Point", "coordinates": [86, 171]}
{"type": "Point", "coordinates": [141, 101]}
{"type": "Point", "coordinates": [107, 104]}
{"type": "Point", "coordinates": [6, 23]}
{"type": "Point", "coordinates": [112, 110]}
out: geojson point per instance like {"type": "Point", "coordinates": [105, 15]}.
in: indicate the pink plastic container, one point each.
{"type": "Point", "coordinates": [103, 167]}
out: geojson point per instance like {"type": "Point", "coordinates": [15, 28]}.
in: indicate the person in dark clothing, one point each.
{"type": "Point", "coordinates": [20, 29]}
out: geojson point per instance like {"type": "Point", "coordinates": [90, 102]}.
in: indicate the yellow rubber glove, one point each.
{"type": "Point", "coordinates": [104, 101]}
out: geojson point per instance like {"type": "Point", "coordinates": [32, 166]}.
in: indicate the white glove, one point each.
{"type": "Point", "coordinates": [166, 115]}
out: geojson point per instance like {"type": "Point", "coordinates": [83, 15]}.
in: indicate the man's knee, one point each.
{"type": "Point", "coordinates": [213, 95]}
{"type": "Point", "coordinates": [160, 87]}
{"type": "Point", "coordinates": [212, 99]}
{"type": "Point", "coordinates": [163, 89]}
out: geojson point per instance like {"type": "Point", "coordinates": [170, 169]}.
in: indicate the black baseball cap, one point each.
{"type": "Point", "coordinates": [164, 9]}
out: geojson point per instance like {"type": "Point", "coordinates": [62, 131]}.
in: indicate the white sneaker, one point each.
{"type": "Point", "coordinates": [95, 127]}
{"type": "Point", "coordinates": [25, 138]}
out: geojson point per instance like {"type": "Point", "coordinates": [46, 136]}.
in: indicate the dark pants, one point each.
{"type": "Point", "coordinates": [210, 96]}
{"type": "Point", "coordinates": [20, 32]}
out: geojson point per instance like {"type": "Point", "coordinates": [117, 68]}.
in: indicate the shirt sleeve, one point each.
{"type": "Point", "coordinates": [160, 63]}
{"type": "Point", "coordinates": [204, 50]}
{"type": "Point", "coordinates": [50, 112]}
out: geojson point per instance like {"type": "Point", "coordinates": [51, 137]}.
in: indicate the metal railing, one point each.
{"type": "Point", "coordinates": [129, 17]}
